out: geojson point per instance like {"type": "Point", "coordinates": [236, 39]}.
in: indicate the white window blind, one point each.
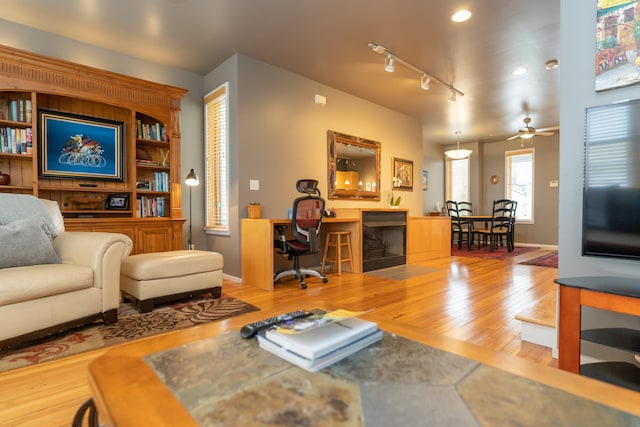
{"type": "Point", "coordinates": [610, 146]}
{"type": "Point", "coordinates": [519, 183]}
{"type": "Point", "coordinates": [217, 161]}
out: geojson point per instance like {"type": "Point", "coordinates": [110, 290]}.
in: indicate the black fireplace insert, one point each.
{"type": "Point", "coordinates": [384, 236]}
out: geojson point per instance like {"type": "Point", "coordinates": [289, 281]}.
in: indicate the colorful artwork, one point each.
{"type": "Point", "coordinates": [402, 174]}
{"type": "Point", "coordinates": [617, 39]}
{"type": "Point", "coordinates": [78, 147]}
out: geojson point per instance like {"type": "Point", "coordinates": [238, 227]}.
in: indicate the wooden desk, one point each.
{"type": "Point", "coordinates": [258, 252]}
{"type": "Point", "coordinates": [607, 293]}
{"type": "Point", "coordinates": [128, 392]}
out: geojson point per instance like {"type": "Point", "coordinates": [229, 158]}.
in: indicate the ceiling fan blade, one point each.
{"type": "Point", "coordinates": [513, 137]}
{"type": "Point", "coordinates": [549, 129]}
{"type": "Point", "coordinates": [538, 133]}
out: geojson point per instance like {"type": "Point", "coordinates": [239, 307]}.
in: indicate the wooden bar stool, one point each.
{"type": "Point", "coordinates": [337, 243]}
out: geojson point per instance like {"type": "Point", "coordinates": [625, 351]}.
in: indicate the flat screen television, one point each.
{"type": "Point", "coordinates": [611, 202]}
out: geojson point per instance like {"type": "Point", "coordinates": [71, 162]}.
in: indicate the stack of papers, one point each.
{"type": "Point", "coordinates": [316, 342]}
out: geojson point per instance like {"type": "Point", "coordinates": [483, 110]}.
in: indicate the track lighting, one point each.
{"type": "Point", "coordinates": [391, 60]}
{"type": "Point", "coordinates": [389, 64]}
{"type": "Point", "coordinates": [424, 82]}
{"type": "Point", "coordinates": [457, 154]}
{"type": "Point", "coordinates": [452, 97]}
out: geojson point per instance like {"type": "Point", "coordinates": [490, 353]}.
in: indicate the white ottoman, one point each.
{"type": "Point", "coordinates": [163, 276]}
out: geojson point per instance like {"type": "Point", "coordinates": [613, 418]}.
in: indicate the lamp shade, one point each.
{"type": "Point", "coordinates": [192, 179]}
{"type": "Point", "coordinates": [457, 154]}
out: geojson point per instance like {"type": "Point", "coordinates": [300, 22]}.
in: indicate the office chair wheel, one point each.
{"type": "Point", "coordinates": [325, 280]}
{"type": "Point", "coordinates": [303, 285]}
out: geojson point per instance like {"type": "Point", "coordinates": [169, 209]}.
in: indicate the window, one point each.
{"type": "Point", "coordinates": [519, 182]}
{"type": "Point", "coordinates": [217, 161]}
{"type": "Point", "coordinates": [610, 143]}
{"type": "Point", "coordinates": [458, 180]}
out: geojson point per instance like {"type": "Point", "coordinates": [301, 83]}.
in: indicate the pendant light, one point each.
{"type": "Point", "coordinates": [457, 154]}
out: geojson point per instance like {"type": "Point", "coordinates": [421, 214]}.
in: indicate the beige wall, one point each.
{"type": "Point", "coordinates": [544, 229]}
{"type": "Point", "coordinates": [280, 135]}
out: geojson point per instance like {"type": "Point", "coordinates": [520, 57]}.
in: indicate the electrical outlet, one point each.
{"type": "Point", "coordinates": [254, 184]}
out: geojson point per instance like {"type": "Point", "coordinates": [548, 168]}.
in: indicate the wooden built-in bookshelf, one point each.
{"type": "Point", "coordinates": [149, 112]}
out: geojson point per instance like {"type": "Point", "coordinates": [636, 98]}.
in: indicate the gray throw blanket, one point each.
{"type": "Point", "coordinates": [20, 206]}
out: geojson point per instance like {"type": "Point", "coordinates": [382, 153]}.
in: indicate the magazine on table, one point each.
{"type": "Point", "coordinates": [316, 320]}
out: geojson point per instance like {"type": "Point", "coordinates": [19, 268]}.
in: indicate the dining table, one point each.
{"type": "Point", "coordinates": [486, 219]}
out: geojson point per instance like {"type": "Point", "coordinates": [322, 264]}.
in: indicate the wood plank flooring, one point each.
{"type": "Point", "coordinates": [471, 299]}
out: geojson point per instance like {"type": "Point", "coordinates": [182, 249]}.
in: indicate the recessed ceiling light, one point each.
{"type": "Point", "coordinates": [551, 64]}
{"type": "Point", "coordinates": [519, 71]}
{"type": "Point", "coordinates": [461, 16]}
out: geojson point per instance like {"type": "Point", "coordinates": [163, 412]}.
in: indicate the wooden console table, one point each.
{"type": "Point", "coordinates": [614, 294]}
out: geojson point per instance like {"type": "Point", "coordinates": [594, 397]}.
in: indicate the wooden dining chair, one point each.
{"type": "Point", "coordinates": [500, 228]}
{"type": "Point", "coordinates": [460, 228]}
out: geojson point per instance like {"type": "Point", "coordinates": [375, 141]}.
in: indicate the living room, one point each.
{"type": "Point", "coordinates": [261, 85]}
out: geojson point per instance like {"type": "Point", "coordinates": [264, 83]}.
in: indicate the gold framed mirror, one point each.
{"type": "Point", "coordinates": [353, 167]}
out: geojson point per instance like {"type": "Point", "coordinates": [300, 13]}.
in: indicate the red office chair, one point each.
{"type": "Point", "coordinates": [305, 226]}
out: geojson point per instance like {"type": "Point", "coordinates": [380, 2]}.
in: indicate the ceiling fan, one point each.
{"type": "Point", "coordinates": [528, 132]}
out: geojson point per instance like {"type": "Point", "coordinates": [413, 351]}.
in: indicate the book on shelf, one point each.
{"type": "Point", "coordinates": [152, 132]}
{"type": "Point", "coordinates": [320, 347]}
{"type": "Point", "coordinates": [150, 207]}
{"type": "Point", "coordinates": [20, 110]}
{"type": "Point", "coordinates": [16, 141]}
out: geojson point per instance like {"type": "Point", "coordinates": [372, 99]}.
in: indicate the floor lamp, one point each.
{"type": "Point", "coordinates": [191, 180]}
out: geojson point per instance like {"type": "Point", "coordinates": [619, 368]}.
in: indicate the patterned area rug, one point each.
{"type": "Point", "coordinates": [484, 252]}
{"type": "Point", "coordinates": [549, 260]}
{"type": "Point", "coordinates": [131, 325]}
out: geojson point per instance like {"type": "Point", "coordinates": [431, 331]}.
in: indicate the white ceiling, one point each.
{"type": "Point", "coordinates": [326, 41]}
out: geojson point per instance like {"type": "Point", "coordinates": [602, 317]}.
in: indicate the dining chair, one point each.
{"type": "Point", "coordinates": [465, 208]}
{"type": "Point", "coordinates": [500, 227]}
{"type": "Point", "coordinates": [459, 226]}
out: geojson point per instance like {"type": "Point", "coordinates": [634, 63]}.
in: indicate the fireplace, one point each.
{"type": "Point", "coordinates": [384, 236]}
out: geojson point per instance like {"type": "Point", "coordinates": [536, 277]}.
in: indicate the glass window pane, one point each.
{"type": "Point", "coordinates": [520, 167]}
{"type": "Point", "coordinates": [458, 180]}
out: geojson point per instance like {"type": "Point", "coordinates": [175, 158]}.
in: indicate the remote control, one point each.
{"type": "Point", "coordinates": [251, 329]}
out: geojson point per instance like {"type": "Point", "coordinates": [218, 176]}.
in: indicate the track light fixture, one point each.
{"type": "Point", "coordinates": [391, 60]}
{"type": "Point", "coordinates": [389, 64]}
{"type": "Point", "coordinates": [424, 81]}
{"type": "Point", "coordinates": [452, 97]}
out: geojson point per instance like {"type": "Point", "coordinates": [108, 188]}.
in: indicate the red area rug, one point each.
{"type": "Point", "coordinates": [131, 326]}
{"type": "Point", "coordinates": [549, 260]}
{"type": "Point", "coordinates": [484, 252]}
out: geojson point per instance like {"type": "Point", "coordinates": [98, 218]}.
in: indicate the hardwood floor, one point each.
{"type": "Point", "coordinates": [471, 299]}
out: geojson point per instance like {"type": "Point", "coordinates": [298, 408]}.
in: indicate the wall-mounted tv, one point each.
{"type": "Point", "coordinates": [611, 202]}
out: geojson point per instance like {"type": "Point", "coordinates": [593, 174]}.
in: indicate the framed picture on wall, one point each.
{"type": "Point", "coordinates": [617, 41]}
{"type": "Point", "coordinates": [79, 147]}
{"type": "Point", "coordinates": [403, 174]}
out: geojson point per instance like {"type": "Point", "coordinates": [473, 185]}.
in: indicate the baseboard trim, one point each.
{"type": "Point", "coordinates": [538, 334]}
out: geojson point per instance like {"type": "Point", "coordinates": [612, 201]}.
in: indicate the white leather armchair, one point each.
{"type": "Point", "coordinates": [37, 300]}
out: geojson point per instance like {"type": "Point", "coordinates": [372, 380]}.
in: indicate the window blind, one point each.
{"type": "Point", "coordinates": [609, 142]}
{"type": "Point", "coordinates": [217, 162]}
